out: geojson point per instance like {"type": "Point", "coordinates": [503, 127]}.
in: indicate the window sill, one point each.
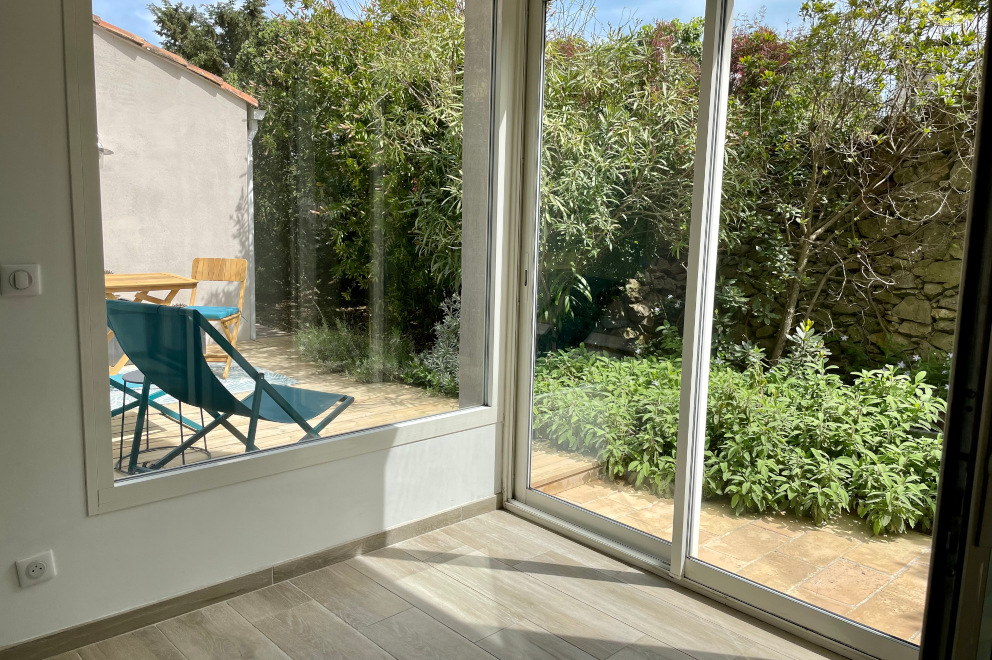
{"type": "Point", "coordinates": [147, 488]}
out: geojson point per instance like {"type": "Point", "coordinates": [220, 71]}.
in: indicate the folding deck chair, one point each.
{"type": "Point", "coordinates": [166, 344]}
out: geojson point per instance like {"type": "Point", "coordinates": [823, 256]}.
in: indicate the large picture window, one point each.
{"type": "Point", "coordinates": [283, 203]}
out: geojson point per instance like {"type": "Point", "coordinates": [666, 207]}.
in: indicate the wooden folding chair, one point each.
{"type": "Point", "coordinates": [229, 318]}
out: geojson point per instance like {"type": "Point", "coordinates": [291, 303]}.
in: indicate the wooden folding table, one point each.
{"type": "Point", "coordinates": [142, 285]}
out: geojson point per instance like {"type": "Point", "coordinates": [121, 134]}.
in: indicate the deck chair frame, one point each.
{"type": "Point", "coordinates": [198, 321]}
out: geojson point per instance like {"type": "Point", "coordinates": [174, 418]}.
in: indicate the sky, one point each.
{"type": "Point", "coordinates": [133, 15]}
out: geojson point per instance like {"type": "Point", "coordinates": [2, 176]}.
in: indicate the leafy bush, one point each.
{"type": "Point", "coordinates": [792, 436]}
{"type": "Point", "coordinates": [345, 349]}
{"type": "Point", "coordinates": [437, 367]}
{"type": "Point", "coordinates": [354, 106]}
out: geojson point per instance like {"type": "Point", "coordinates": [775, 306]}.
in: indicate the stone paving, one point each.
{"type": "Point", "coordinates": [840, 567]}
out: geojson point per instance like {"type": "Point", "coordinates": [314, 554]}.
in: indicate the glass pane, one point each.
{"type": "Point", "coordinates": [295, 177]}
{"type": "Point", "coordinates": [619, 123]}
{"type": "Point", "coordinates": [849, 142]}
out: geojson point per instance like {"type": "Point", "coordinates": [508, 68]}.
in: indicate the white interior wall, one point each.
{"type": "Point", "coordinates": [118, 561]}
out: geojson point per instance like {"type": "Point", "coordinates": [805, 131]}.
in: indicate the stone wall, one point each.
{"type": "Point", "coordinates": [889, 288]}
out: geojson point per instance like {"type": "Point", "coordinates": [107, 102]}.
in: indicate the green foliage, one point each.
{"type": "Point", "coordinates": [624, 411]}
{"type": "Point", "coordinates": [341, 348]}
{"type": "Point", "coordinates": [209, 37]}
{"type": "Point", "coordinates": [819, 120]}
{"type": "Point", "coordinates": [616, 170]}
{"type": "Point", "coordinates": [344, 349]}
{"type": "Point", "coordinates": [437, 367]}
{"type": "Point", "coordinates": [363, 139]}
{"type": "Point", "coordinates": [358, 160]}
{"type": "Point", "coordinates": [790, 436]}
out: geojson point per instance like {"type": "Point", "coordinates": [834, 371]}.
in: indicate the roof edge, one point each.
{"type": "Point", "coordinates": [175, 59]}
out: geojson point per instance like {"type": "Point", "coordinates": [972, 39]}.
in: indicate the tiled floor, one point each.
{"type": "Point", "coordinates": [840, 566]}
{"type": "Point", "coordinates": [375, 404]}
{"type": "Point", "coordinates": [491, 586]}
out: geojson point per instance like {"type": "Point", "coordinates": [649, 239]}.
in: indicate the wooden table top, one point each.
{"type": "Point", "coordinates": [125, 282]}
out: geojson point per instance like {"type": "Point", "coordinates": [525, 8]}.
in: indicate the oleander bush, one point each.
{"type": "Point", "coordinates": [789, 436]}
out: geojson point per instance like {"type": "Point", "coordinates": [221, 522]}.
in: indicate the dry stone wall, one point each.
{"type": "Point", "coordinates": [891, 290]}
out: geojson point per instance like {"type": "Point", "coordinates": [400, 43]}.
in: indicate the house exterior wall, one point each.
{"type": "Point", "coordinates": [176, 185]}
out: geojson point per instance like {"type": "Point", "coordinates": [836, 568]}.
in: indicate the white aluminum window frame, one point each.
{"type": "Point", "coordinates": [103, 494]}
{"type": "Point", "coordinates": [675, 560]}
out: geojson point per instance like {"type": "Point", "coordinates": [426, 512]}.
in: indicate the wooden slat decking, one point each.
{"type": "Point", "coordinates": [375, 404]}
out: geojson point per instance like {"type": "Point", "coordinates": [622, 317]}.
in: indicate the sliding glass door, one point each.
{"type": "Point", "coordinates": [618, 130]}
{"type": "Point", "coordinates": [740, 301]}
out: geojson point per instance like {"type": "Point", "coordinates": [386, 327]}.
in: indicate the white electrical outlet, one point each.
{"type": "Point", "coordinates": [36, 569]}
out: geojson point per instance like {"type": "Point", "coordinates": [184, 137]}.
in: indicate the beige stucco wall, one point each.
{"type": "Point", "coordinates": [176, 185]}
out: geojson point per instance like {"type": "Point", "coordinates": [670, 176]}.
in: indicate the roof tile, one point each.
{"type": "Point", "coordinates": [169, 55]}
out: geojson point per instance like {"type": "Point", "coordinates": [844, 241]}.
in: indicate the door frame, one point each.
{"type": "Point", "coordinates": [533, 38]}
{"type": "Point", "coordinates": [676, 560]}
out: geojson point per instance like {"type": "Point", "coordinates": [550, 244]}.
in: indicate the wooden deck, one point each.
{"type": "Point", "coordinates": [375, 404]}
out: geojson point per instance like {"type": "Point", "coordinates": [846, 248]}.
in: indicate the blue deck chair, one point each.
{"type": "Point", "coordinates": [117, 382]}
{"type": "Point", "coordinates": [166, 344]}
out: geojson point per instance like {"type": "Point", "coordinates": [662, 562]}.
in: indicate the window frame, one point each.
{"type": "Point", "coordinates": [676, 561]}
{"type": "Point", "coordinates": [486, 348]}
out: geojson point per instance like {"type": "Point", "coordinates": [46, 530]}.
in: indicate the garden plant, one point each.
{"type": "Point", "coordinates": [790, 436]}
{"type": "Point", "coordinates": [844, 192]}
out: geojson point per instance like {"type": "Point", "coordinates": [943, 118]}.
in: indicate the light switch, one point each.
{"type": "Point", "coordinates": [20, 280]}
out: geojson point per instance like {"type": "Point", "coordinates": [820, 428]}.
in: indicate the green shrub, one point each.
{"type": "Point", "coordinates": [792, 436]}
{"type": "Point", "coordinates": [437, 367]}
{"type": "Point", "coordinates": [349, 350]}
{"type": "Point", "coordinates": [625, 411]}
{"type": "Point", "coordinates": [342, 348]}
{"type": "Point", "coordinates": [334, 348]}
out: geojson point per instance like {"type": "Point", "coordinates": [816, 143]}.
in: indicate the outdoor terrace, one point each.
{"type": "Point", "coordinates": [375, 404]}
{"type": "Point", "coordinates": [879, 581]}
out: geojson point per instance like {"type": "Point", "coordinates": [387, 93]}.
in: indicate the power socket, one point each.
{"type": "Point", "coordinates": [36, 569]}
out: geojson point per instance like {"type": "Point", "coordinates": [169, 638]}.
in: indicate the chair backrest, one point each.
{"type": "Point", "coordinates": [208, 269]}
{"type": "Point", "coordinates": [166, 344]}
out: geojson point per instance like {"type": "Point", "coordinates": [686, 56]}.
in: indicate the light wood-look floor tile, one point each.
{"type": "Point", "coordinates": [490, 535]}
{"type": "Point", "coordinates": [495, 586]}
{"type": "Point", "coordinates": [648, 648]}
{"type": "Point", "coordinates": [783, 644]}
{"type": "Point", "coordinates": [218, 632]}
{"type": "Point", "coordinates": [626, 603]}
{"type": "Point", "coordinates": [266, 602]}
{"type": "Point", "coordinates": [413, 635]}
{"type": "Point", "coordinates": [427, 545]}
{"type": "Point", "coordinates": [387, 565]}
{"type": "Point", "coordinates": [525, 640]}
{"type": "Point", "coordinates": [453, 603]}
{"type": "Point", "coordinates": [310, 631]}
{"type": "Point", "coordinates": [575, 621]}
{"type": "Point", "coordinates": [356, 598]}
{"type": "Point", "coordinates": [143, 644]}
